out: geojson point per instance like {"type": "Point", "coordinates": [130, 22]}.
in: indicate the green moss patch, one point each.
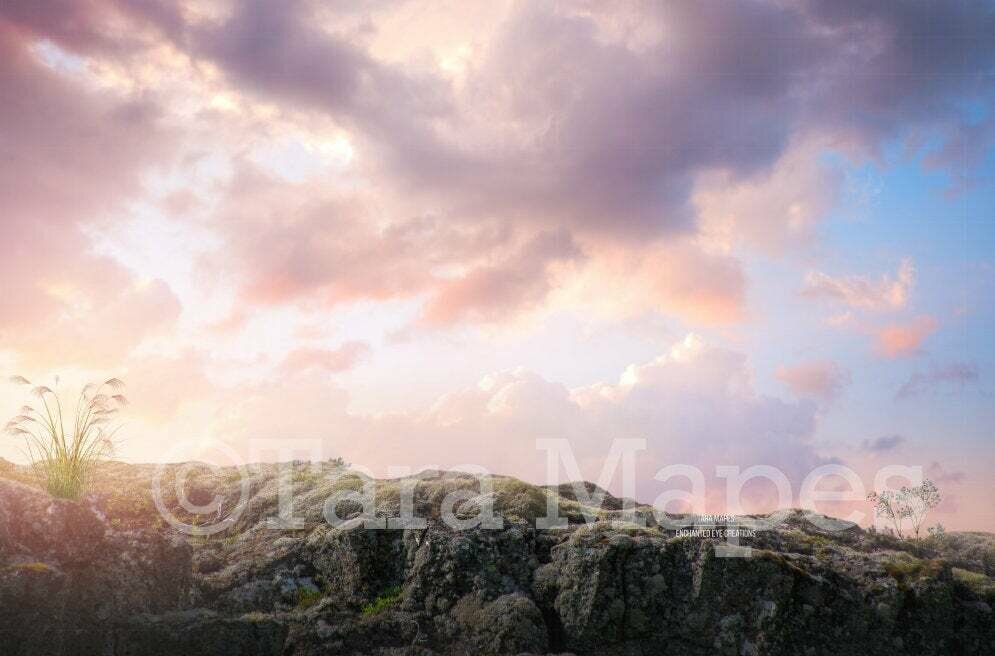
{"type": "Point", "coordinates": [389, 598]}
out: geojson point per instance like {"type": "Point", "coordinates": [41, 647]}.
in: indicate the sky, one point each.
{"type": "Point", "coordinates": [431, 233]}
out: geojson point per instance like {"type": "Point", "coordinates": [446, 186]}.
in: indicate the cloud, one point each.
{"type": "Point", "coordinates": [568, 116]}
{"type": "Point", "coordinates": [957, 373]}
{"type": "Point", "coordinates": [938, 474]}
{"type": "Point", "coordinates": [296, 242]}
{"type": "Point", "coordinates": [817, 379]}
{"type": "Point", "coordinates": [668, 276]}
{"type": "Point", "coordinates": [901, 340]}
{"type": "Point", "coordinates": [774, 210]}
{"type": "Point", "coordinates": [329, 249]}
{"type": "Point", "coordinates": [565, 114]}
{"type": "Point", "coordinates": [162, 387]}
{"type": "Point", "coordinates": [326, 360]}
{"type": "Point", "coordinates": [693, 404]}
{"type": "Point", "coordinates": [78, 154]}
{"type": "Point", "coordinates": [560, 120]}
{"type": "Point", "coordinates": [887, 293]}
{"type": "Point", "coordinates": [92, 322]}
{"type": "Point", "coordinates": [883, 443]}
{"type": "Point", "coordinates": [495, 292]}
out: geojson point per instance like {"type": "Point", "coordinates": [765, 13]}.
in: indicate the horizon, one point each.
{"type": "Point", "coordinates": [635, 513]}
{"type": "Point", "coordinates": [441, 234]}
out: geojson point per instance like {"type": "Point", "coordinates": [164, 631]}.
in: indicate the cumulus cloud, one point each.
{"type": "Point", "coordinates": [816, 379]}
{"type": "Point", "coordinates": [694, 404]}
{"type": "Point", "coordinates": [887, 293]}
{"type": "Point", "coordinates": [957, 374]}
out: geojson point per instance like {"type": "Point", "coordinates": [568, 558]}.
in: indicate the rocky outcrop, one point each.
{"type": "Point", "coordinates": [103, 577]}
{"type": "Point", "coordinates": [66, 574]}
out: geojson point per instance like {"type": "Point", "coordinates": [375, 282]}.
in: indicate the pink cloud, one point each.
{"type": "Point", "coordinates": [79, 156]}
{"type": "Point", "coordinates": [887, 293]}
{"type": "Point", "coordinates": [704, 288]}
{"type": "Point", "coordinates": [563, 122]}
{"type": "Point", "coordinates": [817, 379]}
{"type": "Point", "coordinates": [900, 340]}
{"type": "Point", "coordinates": [669, 277]}
{"type": "Point", "coordinates": [939, 474]}
{"type": "Point", "coordinates": [775, 210]}
{"type": "Point", "coordinates": [531, 141]}
{"type": "Point", "coordinates": [499, 292]}
{"type": "Point", "coordinates": [325, 360]}
{"type": "Point", "coordinates": [693, 404]}
{"type": "Point", "coordinates": [298, 243]}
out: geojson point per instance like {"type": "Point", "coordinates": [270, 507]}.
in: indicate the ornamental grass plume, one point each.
{"type": "Point", "coordinates": [64, 460]}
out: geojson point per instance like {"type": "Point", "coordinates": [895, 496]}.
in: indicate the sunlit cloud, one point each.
{"type": "Point", "coordinates": [889, 292]}
{"type": "Point", "coordinates": [904, 339]}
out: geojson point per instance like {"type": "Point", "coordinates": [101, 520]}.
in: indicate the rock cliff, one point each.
{"type": "Point", "coordinates": [108, 576]}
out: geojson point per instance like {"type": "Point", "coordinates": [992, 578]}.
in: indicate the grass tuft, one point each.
{"type": "Point", "coordinates": [389, 598]}
{"type": "Point", "coordinates": [906, 569]}
{"type": "Point", "coordinates": [36, 567]}
{"type": "Point", "coordinates": [63, 451]}
{"type": "Point", "coordinates": [307, 597]}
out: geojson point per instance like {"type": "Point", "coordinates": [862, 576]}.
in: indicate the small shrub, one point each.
{"type": "Point", "coordinates": [907, 569]}
{"type": "Point", "coordinates": [307, 597]}
{"type": "Point", "coordinates": [977, 581]}
{"type": "Point", "coordinates": [912, 503]}
{"type": "Point", "coordinates": [517, 498]}
{"type": "Point", "coordinates": [390, 597]}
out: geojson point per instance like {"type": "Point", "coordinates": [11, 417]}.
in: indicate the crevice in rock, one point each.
{"type": "Point", "coordinates": [622, 574]}
{"type": "Point", "coordinates": [555, 633]}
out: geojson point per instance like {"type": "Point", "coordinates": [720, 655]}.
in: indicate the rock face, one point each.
{"type": "Point", "coordinates": [105, 576]}
{"type": "Point", "coordinates": [66, 574]}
